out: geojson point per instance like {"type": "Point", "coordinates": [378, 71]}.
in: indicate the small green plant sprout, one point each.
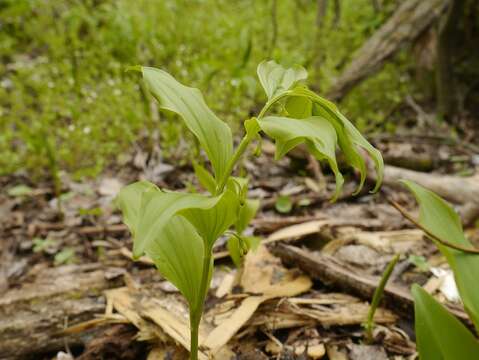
{"type": "Point", "coordinates": [439, 334]}
{"type": "Point", "coordinates": [377, 296]}
{"type": "Point", "coordinates": [178, 230]}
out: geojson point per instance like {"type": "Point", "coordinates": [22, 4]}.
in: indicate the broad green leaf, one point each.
{"type": "Point", "coordinates": [212, 222]}
{"type": "Point", "coordinates": [277, 79]}
{"type": "Point", "coordinates": [178, 252]}
{"type": "Point", "coordinates": [148, 210]}
{"type": "Point", "coordinates": [317, 132]}
{"type": "Point", "coordinates": [160, 231]}
{"type": "Point", "coordinates": [441, 220]}
{"type": "Point", "coordinates": [205, 178]}
{"type": "Point", "coordinates": [247, 212]}
{"type": "Point", "coordinates": [129, 202]}
{"type": "Point", "coordinates": [439, 335]}
{"type": "Point", "coordinates": [212, 133]}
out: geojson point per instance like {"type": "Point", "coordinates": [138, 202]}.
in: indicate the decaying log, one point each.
{"type": "Point", "coordinates": [337, 274]}
{"type": "Point", "coordinates": [32, 317]}
{"type": "Point", "coordinates": [463, 191]}
{"type": "Point", "coordinates": [407, 23]}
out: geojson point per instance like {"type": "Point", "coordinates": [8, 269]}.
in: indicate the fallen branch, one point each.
{"type": "Point", "coordinates": [337, 274]}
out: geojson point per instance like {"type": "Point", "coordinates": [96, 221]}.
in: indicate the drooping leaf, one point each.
{"type": "Point", "coordinates": [441, 220]}
{"type": "Point", "coordinates": [178, 253]}
{"type": "Point", "coordinates": [439, 335]}
{"type": "Point", "coordinates": [345, 143]}
{"type": "Point", "coordinates": [205, 178]}
{"type": "Point", "coordinates": [234, 249]}
{"type": "Point", "coordinates": [276, 79]}
{"type": "Point", "coordinates": [239, 245]}
{"type": "Point", "coordinates": [317, 132]}
{"type": "Point", "coordinates": [374, 153]}
{"type": "Point", "coordinates": [348, 136]}
{"type": "Point", "coordinates": [212, 133]}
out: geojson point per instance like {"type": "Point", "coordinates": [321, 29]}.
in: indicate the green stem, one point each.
{"type": "Point", "coordinates": [243, 145]}
{"type": "Point", "coordinates": [194, 328]}
{"type": "Point", "coordinates": [378, 293]}
{"type": "Point", "coordinates": [197, 310]}
{"type": "Point", "coordinates": [239, 151]}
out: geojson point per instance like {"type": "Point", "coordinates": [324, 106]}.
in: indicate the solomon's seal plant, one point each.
{"type": "Point", "coordinates": [178, 230]}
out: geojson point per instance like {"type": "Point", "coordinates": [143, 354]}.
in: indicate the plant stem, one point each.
{"type": "Point", "coordinates": [469, 250]}
{"type": "Point", "coordinates": [243, 145]}
{"type": "Point", "coordinates": [194, 331]}
{"type": "Point", "coordinates": [237, 154]}
{"type": "Point", "coordinates": [197, 310]}
{"type": "Point", "coordinates": [378, 293]}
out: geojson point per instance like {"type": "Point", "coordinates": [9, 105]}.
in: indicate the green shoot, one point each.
{"type": "Point", "coordinates": [378, 294]}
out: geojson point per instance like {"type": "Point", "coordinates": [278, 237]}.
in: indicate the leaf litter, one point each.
{"type": "Point", "coordinates": [268, 308]}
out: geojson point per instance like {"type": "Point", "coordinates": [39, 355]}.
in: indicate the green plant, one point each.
{"type": "Point", "coordinates": [378, 294]}
{"type": "Point", "coordinates": [178, 230]}
{"type": "Point", "coordinates": [440, 335]}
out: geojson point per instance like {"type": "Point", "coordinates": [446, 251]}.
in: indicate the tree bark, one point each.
{"type": "Point", "coordinates": [322, 6]}
{"type": "Point", "coordinates": [445, 84]}
{"type": "Point", "coordinates": [408, 22]}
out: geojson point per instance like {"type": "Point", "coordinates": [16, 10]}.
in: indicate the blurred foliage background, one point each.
{"type": "Point", "coordinates": [66, 99]}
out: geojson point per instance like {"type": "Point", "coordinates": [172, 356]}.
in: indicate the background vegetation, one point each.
{"type": "Point", "coordinates": [63, 84]}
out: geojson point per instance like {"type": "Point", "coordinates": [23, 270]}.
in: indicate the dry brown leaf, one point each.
{"type": "Point", "coordinates": [264, 275]}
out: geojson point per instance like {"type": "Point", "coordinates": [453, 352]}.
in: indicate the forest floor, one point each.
{"type": "Point", "coordinates": [71, 290]}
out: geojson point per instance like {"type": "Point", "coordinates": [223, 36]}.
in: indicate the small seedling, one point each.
{"type": "Point", "coordinates": [178, 230]}
{"type": "Point", "coordinates": [283, 204]}
{"type": "Point", "coordinates": [378, 294]}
